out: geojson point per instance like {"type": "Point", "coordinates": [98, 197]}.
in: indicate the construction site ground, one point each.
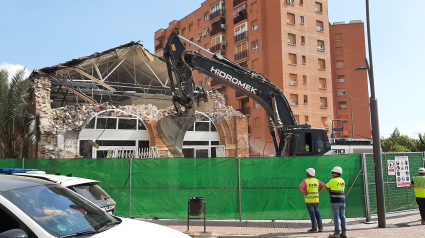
{"type": "Point", "coordinates": [399, 224]}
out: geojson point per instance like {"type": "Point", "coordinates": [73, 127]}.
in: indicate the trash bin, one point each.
{"type": "Point", "coordinates": [196, 206]}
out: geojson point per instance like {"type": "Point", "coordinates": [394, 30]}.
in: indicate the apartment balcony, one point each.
{"type": "Point", "coordinates": [160, 46]}
{"type": "Point", "coordinates": [241, 55]}
{"type": "Point", "coordinates": [239, 94]}
{"type": "Point", "coordinates": [244, 110]}
{"type": "Point", "coordinates": [241, 36]}
{"type": "Point", "coordinates": [219, 47]}
{"type": "Point", "coordinates": [217, 13]}
{"type": "Point", "coordinates": [217, 30]}
{"type": "Point", "coordinates": [241, 16]}
{"type": "Point", "coordinates": [237, 2]}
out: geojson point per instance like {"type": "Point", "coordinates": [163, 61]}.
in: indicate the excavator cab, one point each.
{"type": "Point", "coordinates": [308, 142]}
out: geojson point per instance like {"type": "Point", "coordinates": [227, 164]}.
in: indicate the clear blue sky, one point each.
{"type": "Point", "coordinates": [43, 33]}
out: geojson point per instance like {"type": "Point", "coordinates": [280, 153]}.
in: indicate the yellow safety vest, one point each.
{"type": "Point", "coordinates": [419, 186]}
{"type": "Point", "coordinates": [337, 187]}
{"type": "Point", "coordinates": [313, 190]}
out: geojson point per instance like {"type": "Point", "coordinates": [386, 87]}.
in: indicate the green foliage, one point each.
{"type": "Point", "coordinates": [399, 143]}
{"type": "Point", "coordinates": [15, 123]}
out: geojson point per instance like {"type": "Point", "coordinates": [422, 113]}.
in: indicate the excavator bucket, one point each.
{"type": "Point", "coordinates": [172, 129]}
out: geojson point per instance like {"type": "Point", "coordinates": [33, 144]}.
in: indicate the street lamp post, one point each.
{"type": "Point", "coordinates": [352, 122]}
{"type": "Point", "coordinates": [377, 157]}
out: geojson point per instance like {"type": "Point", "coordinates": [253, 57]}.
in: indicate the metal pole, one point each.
{"type": "Point", "coordinates": [366, 190]}
{"type": "Point", "coordinates": [380, 198]}
{"type": "Point", "coordinates": [352, 121]}
{"type": "Point", "coordinates": [239, 188]}
{"type": "Point", "coordinates": [129, 210]}
{"type": "Point", "coordinates": [23, 163]}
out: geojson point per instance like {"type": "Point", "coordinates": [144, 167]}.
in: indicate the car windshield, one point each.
{"type": "Point", "coordinates": [58, 210]}
{"type": "Point", "coordinates": [92, 192]}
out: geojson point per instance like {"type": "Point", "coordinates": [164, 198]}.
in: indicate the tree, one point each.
{"type": "Point", "coordinates": [15, 123]}
{"type": "Point", "coordinates": [399, 143]}
{"type": "Point", "coordinates": [421, 142]}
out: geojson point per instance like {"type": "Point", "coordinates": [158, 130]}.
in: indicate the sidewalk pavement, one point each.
{"type": "Point", "coordinates": [399, 224]}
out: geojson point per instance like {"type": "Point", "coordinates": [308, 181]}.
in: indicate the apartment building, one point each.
{"type": "Point", "coordinates": [350, 90]}
{"type": "Point", "coordinates": [286, 40]}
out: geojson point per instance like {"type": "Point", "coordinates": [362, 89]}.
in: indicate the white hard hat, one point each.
{"type": "Point", "coordinates": [337, 169]}
{"type": "Point", "coordinates": [311, 171]}
{"type": "Point", "coordinates": [421, 170]}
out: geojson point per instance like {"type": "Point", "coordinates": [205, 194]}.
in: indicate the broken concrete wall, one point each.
{"type": "Point", "coordinates": [59, 128]}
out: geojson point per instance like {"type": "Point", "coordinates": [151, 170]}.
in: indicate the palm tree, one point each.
{"type": "Point", "coordinates": [16, 124]}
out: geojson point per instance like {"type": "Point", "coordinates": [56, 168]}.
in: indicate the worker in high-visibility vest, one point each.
{"type": "Point", "coordinates": [418, 183]}
{"type": "Point", "coordinates": [336, 187]}
{"type": "Point", "coordinates": [311, 188]}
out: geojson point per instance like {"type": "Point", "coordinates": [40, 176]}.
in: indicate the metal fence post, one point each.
{"type": "Point", "coordinates": [23, 163]}
{"type": "Point", "coordinates": [129, 210]}
{"type": "Point", "coordinates": [239, 188]}
{"type": "Point", "coordinates": [366, 190]}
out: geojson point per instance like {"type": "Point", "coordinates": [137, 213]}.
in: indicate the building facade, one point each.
{"type": "Point", "coordinates": [286, 40]}
{"type": "Point", "coordinates": [350, 91]}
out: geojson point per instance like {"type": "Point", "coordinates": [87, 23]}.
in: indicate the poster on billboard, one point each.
{"type": "Point", "coordinates": [402, 167]}
{"type": "Point", "coordinates": [391, 167]}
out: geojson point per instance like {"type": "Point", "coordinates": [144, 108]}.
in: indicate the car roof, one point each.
{"type": "Point", "coordinates": [59, 179]}
{"type": "Point", "coordinates": [10, 182]}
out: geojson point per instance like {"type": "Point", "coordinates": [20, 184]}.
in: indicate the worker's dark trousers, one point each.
{"type": "Point", "coordinates": [421, 204]}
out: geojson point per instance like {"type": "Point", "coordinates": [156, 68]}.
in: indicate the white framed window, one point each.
{"type": "Point", "coordinates": [255, 46]}
{"type": "Point", "coordinates": [241, 28]}
{"type": "Point", "coordinates": [217, 40]}
{"type": "Point", "coordinates": [217, 6]}
{"type": "Point", "coordinates": [241, 47]}
{"type": "Point", "coordinates": [206, 16]}
{"type": "Point", "coordinates": [257, 105]}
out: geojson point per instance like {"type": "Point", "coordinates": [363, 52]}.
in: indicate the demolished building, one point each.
{"type": "Point", "coordinates": [107, 104]}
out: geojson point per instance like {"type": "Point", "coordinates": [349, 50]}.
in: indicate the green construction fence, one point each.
{"type": "Point", "coordinates": [161, 187]}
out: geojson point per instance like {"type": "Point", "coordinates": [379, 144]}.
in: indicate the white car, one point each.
{"type": "Point", "coordinates": [87, 188]}
{"type": "Point", "coordinates": [36, 208]}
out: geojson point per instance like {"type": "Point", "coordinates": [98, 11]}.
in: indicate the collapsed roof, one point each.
{"type": "Point", "coordinates": [115, 75]}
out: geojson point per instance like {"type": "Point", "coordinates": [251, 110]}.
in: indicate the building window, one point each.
{"type": "Point", "coordinates": [320, 45]}
{"type": "Point", "coordinates": [255, 65]}
{"type": "Point", "coordinates": [257, 106]}
{"type": "Point", "coordinates": [301, 2]}
{"type": "Point", "coordinates": [199, 38]}
{"type": "Point", "coordinates": [242, 47]}
{"type": "Point", "coordinates": [324, 121]}
{"type": "Point", "coordinates": [291, 39]}
{"type": "Point", "coordinates": [301, 20]}
{"type": "Point", "coordinates": [183, 31]}
{"type": "Point", "coordinates": [304, 79]}
{"type": "Point", "coordinates": [292, 59]}
{"type": "Point", "coordinates": [254, 25]}
{"type": "Point", "coordinates": [215, 7]}
{"type": "Point", "coordinates": [293, 79]}
{"type": "Point", "coordinates": [319, 7]}
{"type": "Point", "coordinates": [290, 18]}
{"type": "Point", "coordinates": [341, 91]}
{"type": "Point", "coordinates": [340, 78]}
{"type": "Point", "coordinates": [241, 29]}
{"type": "Point", "coordinates": [190, 27]}
{"type": "Point", "coordinates": [255, 45]}
{"type": "Point", "coordinates": [322, 64]}
{"type": "Point", "coordinates": [338, 36]}
{"type": "Point", "coordinates": [305, 99]}
{"type": "Point", "coordinates": [304, 59]}
{"type": "Point", "coordinates": [257, 122]}
{"type": "Point", "coordinates": [306, 119]}
{"type": "Point", "coordinates": [323, 102]}
{"type": "Point", "coordinates": [302, 40]}
{"type": "Point", "coordinates": [342, 105]}
{"type": "Point", "coordinates": [340, 64]}
{"type": "Point", "coordinates": [294, 99]}
{"type": "Point", "coordinates": [319, 26]}
{"type": "Point", "coordinates": [206, 31]}
{"type": "Point", "coordinates": [322, 83]}
{"type": "Point", "coordinates": [254, 6]}
{"type": "Point", "coordinates": [339, 50]}
{"type": "Point", "coordinates": [206, 16]}
{"type": "Point", "coordinates": [217, 40]}
{"type": "Point", "coordinates": [297, 118]}
{"type": "Point", "coordinates": [199, 22]}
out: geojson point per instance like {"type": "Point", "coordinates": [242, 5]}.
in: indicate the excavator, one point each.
{"type": "Point", "coordinates": [289, 138]}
